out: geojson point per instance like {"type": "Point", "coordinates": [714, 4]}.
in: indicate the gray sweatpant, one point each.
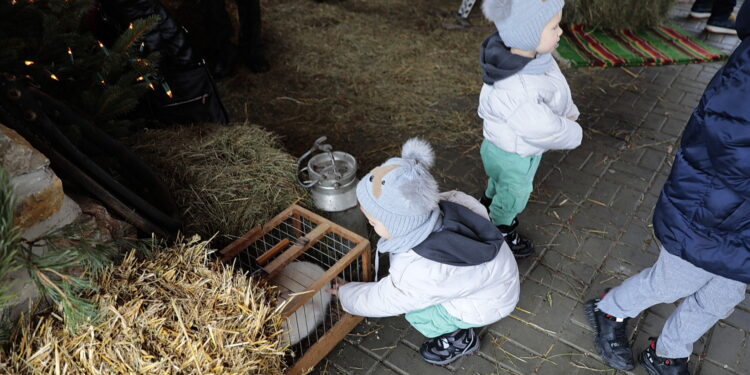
{"type": "Point", "coordinates": [708, 298]}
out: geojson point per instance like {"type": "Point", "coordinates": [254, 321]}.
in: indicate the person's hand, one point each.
{"type": "Point", "coordinates": [335, 286]}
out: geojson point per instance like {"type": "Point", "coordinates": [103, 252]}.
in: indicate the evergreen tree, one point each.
{"type": "Point", "coordinates": [46, 42]}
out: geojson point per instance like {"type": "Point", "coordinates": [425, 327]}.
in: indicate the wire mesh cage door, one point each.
{"type": "Point", "coordinates": [303, 253]}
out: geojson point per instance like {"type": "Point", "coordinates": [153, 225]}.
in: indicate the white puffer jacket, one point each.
{"type": "Point", "coordinates": [528, 114]}
{"type": "Point", "coordinates": [479, 295]}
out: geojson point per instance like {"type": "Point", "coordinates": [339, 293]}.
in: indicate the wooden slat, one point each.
{"type": "Point", "coordinates": [234, 248]}
{"type": "Point", "coordinates": [366, 274]}
{"type": "Point", "coordinates": [263, 258]}
{"type": "Point", "coordinates": [338, 229]}
{"type": "Point", "coordinates": [252, 235]}
{"type": "Point", "coordinates": [324, 280]}
{"type": "Point", "coordinates": [297, 224]}
{"type": "Point", "coordinates": [327, 342]}
{"type": "Point", "coordinates": [295, 250]}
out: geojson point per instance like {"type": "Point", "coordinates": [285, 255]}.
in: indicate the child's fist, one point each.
{"type": "Point", "coordinates": [335, 286]}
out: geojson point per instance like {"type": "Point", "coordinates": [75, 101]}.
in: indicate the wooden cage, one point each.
{"type": "Point", "coordinates": [299, 235]}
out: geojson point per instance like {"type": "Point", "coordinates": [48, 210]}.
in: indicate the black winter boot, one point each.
{"type": "Point", "coordinates": [486, 202]}
{"type": "Point", "coordinates": [656, 365]}
{"type": "Point", "coordinates": [521, 246]}
{"type": "Point", "coordinates": [610, 341]}
{"type": "Point", "coordinates": [445, 349]}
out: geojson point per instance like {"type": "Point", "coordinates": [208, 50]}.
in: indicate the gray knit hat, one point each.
{"type": "Point", "coordinates": [402, 194]}
{"type": "Point", "coordinates": [520, 22]}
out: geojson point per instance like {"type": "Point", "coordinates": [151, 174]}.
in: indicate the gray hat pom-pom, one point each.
{"type": "Point", "coordinates": [422, 192]}
{"type": "Point", "coordinates": [419, 150]}
{"type": "Point", "coordinates": [496, 10]}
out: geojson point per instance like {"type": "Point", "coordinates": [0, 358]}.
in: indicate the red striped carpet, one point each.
{"type": "Point", "coordinates": [659, 45]}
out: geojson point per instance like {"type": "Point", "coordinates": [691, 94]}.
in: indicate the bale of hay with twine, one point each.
{"type": "Point", "coordinates": [177, 313]}
{"type": "Point", "coordinates": [623, 14]}
{"type": "Point", "coordinates": [225, 179]}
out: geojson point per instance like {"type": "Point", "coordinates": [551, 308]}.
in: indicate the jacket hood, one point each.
{"type": "Point", "coordinates": [465, 239]}
{"type": "Point", "coordinates": [496, 60]}
{"type": "Point", "coordinates": [743, 21]}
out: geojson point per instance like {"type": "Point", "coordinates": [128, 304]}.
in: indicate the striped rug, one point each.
{"type": "Point", "coordinates": [660, 45]}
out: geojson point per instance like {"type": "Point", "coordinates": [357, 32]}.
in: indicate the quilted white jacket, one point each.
{"type": "Point", "coordinates": [527, 114]}
{"type": "Point", "coordinates": [480, 294]}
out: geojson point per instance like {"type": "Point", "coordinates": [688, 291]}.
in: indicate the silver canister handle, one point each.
{"type": "Point", "coordinates": [317, 145]}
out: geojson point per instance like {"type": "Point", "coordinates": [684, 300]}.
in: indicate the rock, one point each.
{"type": "Point", "coordinates": [17, 156]}
{"type": "Point", "coordinates": [116, 229]}
{"type": "Point", "coordinates": [39, 195]}
{"type": "Point", "coordinates": [65, 215]}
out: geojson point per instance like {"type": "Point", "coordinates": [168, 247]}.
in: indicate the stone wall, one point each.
{"type": "Point", "coordinates": [41, 206]}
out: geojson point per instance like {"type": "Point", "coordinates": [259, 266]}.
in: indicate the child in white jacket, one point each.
{"type": "Point", "coordinates": [450, 269]}
{"type": "Point", "coordinates": [526, 106]}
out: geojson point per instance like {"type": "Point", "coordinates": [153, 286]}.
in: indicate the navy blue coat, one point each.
{"type": "Point", "coordinates": [703, 213]}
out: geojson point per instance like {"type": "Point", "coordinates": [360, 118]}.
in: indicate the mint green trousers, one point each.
{"type": "Point", "coordinates": [434, 321]}
{"type": "Point", "coordinates": [510, 181]}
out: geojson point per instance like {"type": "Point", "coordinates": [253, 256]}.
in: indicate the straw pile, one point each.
{"type": "Point", "coordinates": [617, 14]}
{"type": "Point", "coordinates": [225, 179]}
{"type": "Point", "coordinates": [175, 313]}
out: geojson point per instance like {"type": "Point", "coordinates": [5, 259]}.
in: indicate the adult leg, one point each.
{"type": "Point", "coordinates": [221, 51]}
{"type": "Point", "coordinates": [701, 8]}
{"type": "Point", "coordinates": [719, 22]}
{"type": "Point", "coordinates": [696, 314]}
{"type": "Point", "coordinates": [251, 41]}
{"type": "Point", "coordinates": [668, 280]}
{"type": "Point", "coordinates": [722, 9]}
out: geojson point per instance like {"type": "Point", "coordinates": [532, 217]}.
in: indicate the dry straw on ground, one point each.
{"type": "Point", "coordinates": [617, 14]}
{"type": "Point", "coordinates": [225, 179]}
{"type": "Point", "coordinates": [173, 314]}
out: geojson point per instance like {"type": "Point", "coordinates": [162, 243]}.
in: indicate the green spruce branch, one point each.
{"type": "Point", "coordinates": [62, 274]}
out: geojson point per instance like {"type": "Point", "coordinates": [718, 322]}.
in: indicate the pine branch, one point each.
{"type": "Point", "coordinates": [9, 242]}
{"type": "Point", "coordinates": [140, 27]}
{"type": "Point", "coordinates": [9, 236]}
{"type": "Point", "coordinates": [49, 273]}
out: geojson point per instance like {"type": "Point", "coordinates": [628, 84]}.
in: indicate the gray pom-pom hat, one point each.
{"type": "Point", "coordinates": [520, 22]}
{"type": "Point", "coordinates": [402, 194]}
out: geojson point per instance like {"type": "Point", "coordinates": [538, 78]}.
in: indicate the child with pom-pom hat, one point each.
{"type": "Point", "coordinates": [450, 269]}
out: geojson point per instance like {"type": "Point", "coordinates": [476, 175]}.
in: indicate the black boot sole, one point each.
{"type": "Point", "coordinates": [588, 310]}
{"type": "Point", "coordinates": [525, 254]}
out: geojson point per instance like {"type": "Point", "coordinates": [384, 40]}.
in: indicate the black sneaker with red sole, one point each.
{"type": "Point", "coordinates": [656, 365]}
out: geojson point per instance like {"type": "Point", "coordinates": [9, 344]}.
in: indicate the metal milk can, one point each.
{"type": "Point", "coordinates": [331, 177]}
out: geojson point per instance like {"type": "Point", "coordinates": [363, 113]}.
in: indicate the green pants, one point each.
{"type": "Point", "coordinates": [510, 182]}
{"type": "Point", "coordinates": [434, 321]}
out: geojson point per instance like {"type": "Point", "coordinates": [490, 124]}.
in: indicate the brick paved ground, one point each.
{"type": "Point", "coordinates": [590, 218]}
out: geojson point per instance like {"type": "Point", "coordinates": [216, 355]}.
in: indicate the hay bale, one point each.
{"type": "Point", "coordinates": [225, 179]}
{"type": "Point", "coordinates": [173, 314]}
{"type": "Point", "coordinates": [623, 14]}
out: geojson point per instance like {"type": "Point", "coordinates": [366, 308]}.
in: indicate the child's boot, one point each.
{"type": "Point", "coordinates": [486, 202]}
{"type": "Point", "coordinates": [445, 349]}
{"type": "Point", "coordinates": [656, 365]}
{"type": "Point", "coordinates": [521, 246]}
{"type": "Point", "coordinates": [610, 341]}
